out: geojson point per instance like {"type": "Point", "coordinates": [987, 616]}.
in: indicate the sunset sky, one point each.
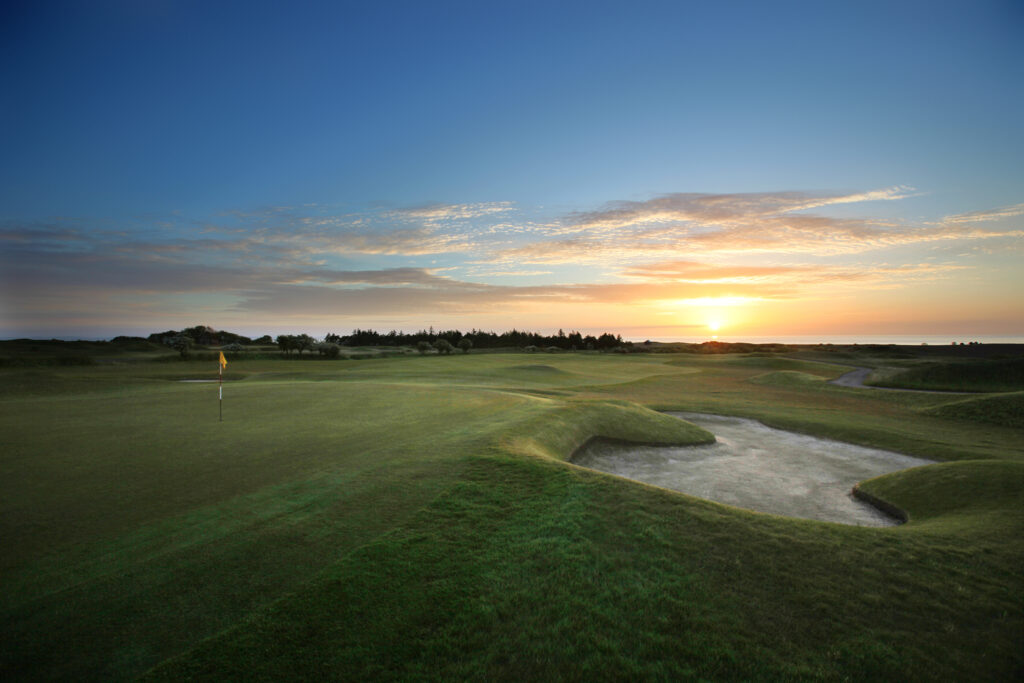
{"type": "Point", "coordinates": [663, 170]}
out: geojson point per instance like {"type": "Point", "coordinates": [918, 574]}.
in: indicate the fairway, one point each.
{"type": "Point", "coordinates": [418, 518]}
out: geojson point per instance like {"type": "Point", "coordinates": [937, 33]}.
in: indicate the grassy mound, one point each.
{"type": "Point", "coordinates": [559, 433]}
{"type": "Point", "coordinates": [981, 375]}
{"type": "Point", "coordinates": [950, 496]}
{"type": "Point", "coordinates": [1006, 410]}
{"type": "Point", "coordinates": [783, 364]}
{"type": "Point", "coordinates": [54, 352]}
{"type": "Point", "coordinates": [541, 369]}
{"type": "Point", "coordinates": [788, 378]}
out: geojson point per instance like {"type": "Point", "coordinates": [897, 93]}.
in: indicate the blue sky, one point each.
{"type": "Point", "coordinates": [323, 166]}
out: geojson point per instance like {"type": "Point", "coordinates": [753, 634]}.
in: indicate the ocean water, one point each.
{"type": "Point", "coordinates": [900, 339]}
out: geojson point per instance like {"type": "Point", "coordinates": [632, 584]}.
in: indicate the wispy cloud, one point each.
{"type": "Point", "coordinates": [401, 241]}
{"type": "Point", "coordinates": [987, 215]}
{"type": "Point", "coordinates": [792, 276]}
{"type": "Point", "coordinates": [716, 209]}
{"type": "Point", "coordinates": [777, 223]}
{"type": "Point", "coordinates": [434, 214]}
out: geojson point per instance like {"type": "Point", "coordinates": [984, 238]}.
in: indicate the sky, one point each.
{"type": "Point", "coordinates": [662, 170]}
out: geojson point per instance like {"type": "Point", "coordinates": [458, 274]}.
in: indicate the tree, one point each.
{"type": "Point", "coordinates": [423, 346]}
{"type": "Point", "coordinates": [444, 346]}
{"type": "Point", "coordinates": [167, 337]}
{"type": "Point", "coordinates": [285, 342]}
{"type": "Point", "coordinates": [182, 343]}
{"type": "Point", "coordinates": [303, 342]}
{"type": "Point", "coordinates": [329, 349]}
{"type": "Point", "coordinates": [465, 344]}
{"type": "Point", "coordinates": [202, 334]}
{"type": "Point", "coordinates": [608, 341]}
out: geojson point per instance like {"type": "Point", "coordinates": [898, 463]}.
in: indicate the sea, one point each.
{"type": "Point", "coordinates": [899, 339]}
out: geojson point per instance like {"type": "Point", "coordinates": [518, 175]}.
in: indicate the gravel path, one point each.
{"type": "Point", "coordinates": [855, 379]}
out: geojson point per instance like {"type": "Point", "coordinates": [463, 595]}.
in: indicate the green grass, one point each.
{"type": "Point", "coordinates": [1006, 410]}
{"type": "Point", "coordinates": [416, 518]}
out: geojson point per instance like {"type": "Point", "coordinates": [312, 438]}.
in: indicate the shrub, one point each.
{"type": "Point", "coordinates": [329, 349]}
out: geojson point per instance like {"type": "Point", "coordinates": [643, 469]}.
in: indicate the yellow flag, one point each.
{"type": "Point", "coordinates": [223, 360]}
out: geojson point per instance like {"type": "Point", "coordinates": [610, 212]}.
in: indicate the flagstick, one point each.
{"type": "Point", "coordinates": [220, 391]}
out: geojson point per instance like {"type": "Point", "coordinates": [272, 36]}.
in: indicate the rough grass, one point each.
{"type": "Point", "coordinates": [981, 375]}
{"type": "Point", "coordinates": [1006, 410]}
{"type": "Point", "coordinates": [527, 570]}
{"type": "Point", "coordinates": [415, 518]}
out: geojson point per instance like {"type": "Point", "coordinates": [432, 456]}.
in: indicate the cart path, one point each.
{"type": "Point", "coordinates": [854, 379]}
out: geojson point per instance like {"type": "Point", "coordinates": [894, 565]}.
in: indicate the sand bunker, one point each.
{"type": "Point", "coordinates": [759, 468]}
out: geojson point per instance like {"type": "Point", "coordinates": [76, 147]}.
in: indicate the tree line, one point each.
{"type": "Point", "coordinates": [443, 341]}
{"type": "Point", "coordinates": [481, 339]}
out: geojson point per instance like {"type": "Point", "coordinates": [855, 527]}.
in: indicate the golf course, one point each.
{"type": "Point", "coordinates": [418, 517]}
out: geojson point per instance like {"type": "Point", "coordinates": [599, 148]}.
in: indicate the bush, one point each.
{"type": "Point", "coordinates": [443, 346]}
{"type": "Point", "coordinates": [423, 347]}
{"type": "Point", "coordinates": [329, 349]}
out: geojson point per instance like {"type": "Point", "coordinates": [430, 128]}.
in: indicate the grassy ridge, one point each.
{"type": "Point", "coordinates": [982, 375]}
{"type": "Point", "coordinates": [560, 432]}
{"type": "Point", "coordinates": [1006, 410]}
{"type": "Point", "coordinates": [414, 517]}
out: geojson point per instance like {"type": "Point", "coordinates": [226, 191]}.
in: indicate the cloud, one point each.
{"type": "Point", "coordinates": [693, 271]}
{"type": "Point", "coordinates": [437, 214]}
{"type": "Point", "coordinates": [790, 276]}
{"type": "Point", "coordinates": [421, 277]}
{"type": "Point", "coordinates": [408, 242]}
{"type": "Point", "coordinates": [716, 209]}
{"type": "Point", "coordinates": [448, 296]}
{"type": "Point", "coordinates": [706, 224]}
{"type": "Point", "coordinates": [175, 268]}
{"type": "Point", "coordinates": [305, 261]}
{"type": "Point", "coordinates": [989, 215]}
{"type": "Point", "coordinates": [54, 236]}
{"type": "Point", "coordinates": [509, 273]}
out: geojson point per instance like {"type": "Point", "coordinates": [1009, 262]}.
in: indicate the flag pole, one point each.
{"type": "Point", "coordinates": [221, 362]}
